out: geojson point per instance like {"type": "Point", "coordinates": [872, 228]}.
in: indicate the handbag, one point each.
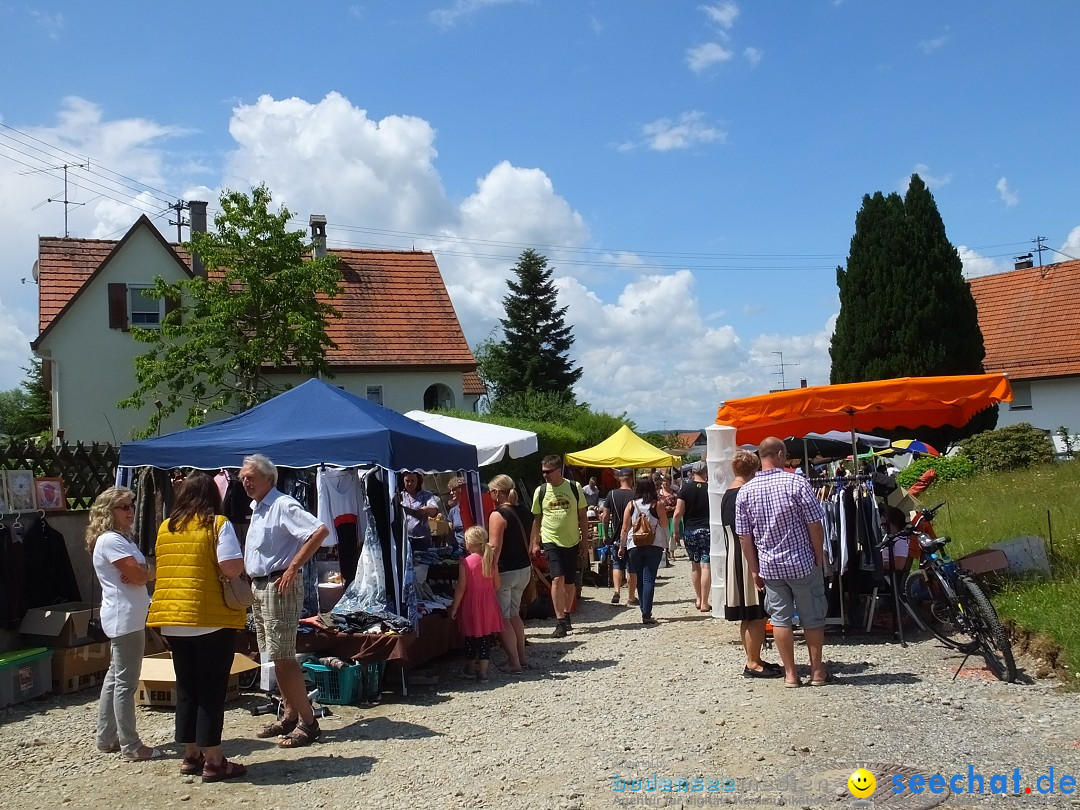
{"type": "Point", "coordinates": [236, 590]}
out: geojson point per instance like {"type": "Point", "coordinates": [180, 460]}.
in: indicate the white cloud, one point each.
{"type": "Point", "coordinates": [722, 14]}
{"type": "Point", "coordinates": [933, 181]}
{"type": "Point", "coordinates": [449, 17]}
{"type": "Point", "coordinates": [687, 131]}
{"type": "Point", "coordinates": [702, 57]}
{"type": "Point", "coordinates": [52, 24]}
{"type": "Point", "coordinates": [1008, 195]}
{"type": "Point", "coordinates": [1071, 246]}
{"type": "Point", "coordinates": [933, 44]}
{"type": "Point", "coordinates": [753, 55]}
{"type": "Point", "coordinates": [976, 265]}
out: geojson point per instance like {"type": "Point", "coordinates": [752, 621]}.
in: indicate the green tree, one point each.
{"type": "Point", "coordinates": [25, 411]}
{"type": "Point", "coordinates": [905, 308]}
{"type": "Point", "coordinates": [262, 307]}
{"type": "Point", "coordinates": [533, 352]}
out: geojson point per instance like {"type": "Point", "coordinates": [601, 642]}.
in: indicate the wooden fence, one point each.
{"type": "Point", "coordinates": [87, 469]}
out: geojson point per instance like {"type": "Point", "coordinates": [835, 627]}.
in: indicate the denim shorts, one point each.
{"type": "Point", "coordinates": [619, 563]}
{"type": "Point", "coordinates": [698, 543]}
{"type": "Point", "coordinates": [805, 596]}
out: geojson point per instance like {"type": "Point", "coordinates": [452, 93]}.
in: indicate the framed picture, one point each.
{"type": "Point", "coordinates": [50, 494]}
{"type": "Point", "coordinates": [20, 490]}
{"type": "Point", "coordinates": [3, 492]}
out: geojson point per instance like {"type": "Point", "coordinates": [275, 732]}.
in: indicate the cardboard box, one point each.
{"type": "Point", "coordinates": [158, 684]}
{"type": "Point", "coordinates": [75, 668]}
{"type": "Point", "coordinates": [63, 625]}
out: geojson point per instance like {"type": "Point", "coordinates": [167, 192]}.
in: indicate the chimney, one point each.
{"type": "Point", "coordinates": [197, 209]}
{"type": "Point", "coordinates": [1023, 262]}
{"type": "Point", "coordinates": [802, 383]}
{"type": "Point", "coordinates": [318, 234]}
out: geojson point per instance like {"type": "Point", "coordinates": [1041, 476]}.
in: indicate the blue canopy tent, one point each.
{"type": "Point", "coordinates": [307, 426]}
{"type": "Point", "coordinates": [314, 423]}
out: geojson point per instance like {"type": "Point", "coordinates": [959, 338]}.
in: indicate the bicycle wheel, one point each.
{"type": "Point", "coordinates": [934, 606]}
{"type": "Point", "coordinates": [993, 641]}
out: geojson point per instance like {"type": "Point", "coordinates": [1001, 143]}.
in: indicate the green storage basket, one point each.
{"type": "Point", "coordinates": [337, 686]}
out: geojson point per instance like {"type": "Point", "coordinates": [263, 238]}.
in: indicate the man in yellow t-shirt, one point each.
{"type": "Point", "coordinates": [562, 529]}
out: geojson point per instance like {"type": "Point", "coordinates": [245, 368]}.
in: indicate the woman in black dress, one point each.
{"type": "Point", "coordinates": [742, 600]}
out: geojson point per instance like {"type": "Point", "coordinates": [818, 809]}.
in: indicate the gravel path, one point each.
{"type": "Point", "coordinates": [612, 701]}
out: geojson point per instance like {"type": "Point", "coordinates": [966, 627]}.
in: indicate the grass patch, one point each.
{"type": "Point", "coordinates": [998, 506]}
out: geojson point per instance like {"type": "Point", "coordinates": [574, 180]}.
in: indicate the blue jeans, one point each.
{"type": "Point", "coordinates": [645, 562]}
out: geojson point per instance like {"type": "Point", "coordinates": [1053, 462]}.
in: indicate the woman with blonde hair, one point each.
{"type": "Point", "coordinates": [123, 573]}
{"type": "Point", "coordinates": [195, 547]}
{"type": "Point", "coordinates": [742, 601]}
{"type": "Point", "coordinates": [509, 526]}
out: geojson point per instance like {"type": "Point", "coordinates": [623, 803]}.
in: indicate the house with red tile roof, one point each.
{"type": "Point", "coordinates": [398, 339]}
{"type": "Point", "coordinates": [1030, 323]}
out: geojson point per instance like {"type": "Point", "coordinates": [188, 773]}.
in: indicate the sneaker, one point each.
{"type": "Point", "coordinates": [615, 598]}
{"type": "Point", "coordinates": [560, 629]}
{"type": "Point", "coordinates": [569, 624]}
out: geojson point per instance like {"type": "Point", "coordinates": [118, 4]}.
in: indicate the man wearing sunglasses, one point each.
{"type": "Point", "coordinates": [562, 529]}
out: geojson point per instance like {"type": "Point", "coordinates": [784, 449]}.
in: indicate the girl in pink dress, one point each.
{"type": "Point", "coordinates": [475, 605]}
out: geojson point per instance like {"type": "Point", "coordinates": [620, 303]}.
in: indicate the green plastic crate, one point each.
{"type": "Point", "coordinates": [337, 686]}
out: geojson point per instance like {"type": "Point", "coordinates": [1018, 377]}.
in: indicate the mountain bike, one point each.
{"type": "Point", "coordinates": [944, 599]}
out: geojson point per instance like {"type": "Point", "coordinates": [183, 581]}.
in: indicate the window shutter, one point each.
{"type": "Point", "coordinates": [171, 305]}
{"type": "Point", "coordinates": [118, 311]}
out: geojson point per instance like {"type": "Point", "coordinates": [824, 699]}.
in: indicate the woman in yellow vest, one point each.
{"type": "Point", "coordinates": [194, 545]}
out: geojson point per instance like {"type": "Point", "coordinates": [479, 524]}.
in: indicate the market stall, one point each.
{"type": "Point", "coordinates": [317, 425]}
{"type": "Point", "coordinates": [623, 448]}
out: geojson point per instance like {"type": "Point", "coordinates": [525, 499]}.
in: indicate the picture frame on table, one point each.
{"type": "Point", "coordinates": [20, 491]}
{"type": "Point", "coordinates": [50, 493]}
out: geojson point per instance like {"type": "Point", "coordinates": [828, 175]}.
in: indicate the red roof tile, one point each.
{"type": "Point", "coordinates": [472, 384]}
{"type": "Point", "coordinates": [1029, 321]}
{"type": "Point", "coordinates": [394, 306]}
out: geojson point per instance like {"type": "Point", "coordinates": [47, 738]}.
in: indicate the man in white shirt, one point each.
{"type": "Point", "coordinates": [281, 538]}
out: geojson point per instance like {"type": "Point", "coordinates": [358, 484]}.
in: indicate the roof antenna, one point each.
{"type": "Point", "coordinates": [65, 200]}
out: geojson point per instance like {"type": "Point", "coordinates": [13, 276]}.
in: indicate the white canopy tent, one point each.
{"type": "Point", "coordinates": [492, 442]}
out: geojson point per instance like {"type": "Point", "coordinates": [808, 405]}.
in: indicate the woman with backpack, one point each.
{"type": "Point", "coordinates": [643, 539]}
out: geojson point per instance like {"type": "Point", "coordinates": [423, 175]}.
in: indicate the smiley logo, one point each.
{"type": "Point", "coordinates": [861, 784]}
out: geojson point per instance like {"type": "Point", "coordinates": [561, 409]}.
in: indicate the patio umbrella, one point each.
{"type": "Point", "coordinates": [908, 402]}
{"type": "Point", "coordinates": [834, 444]}
{"type": "Point", "coordinates": [914, 446]}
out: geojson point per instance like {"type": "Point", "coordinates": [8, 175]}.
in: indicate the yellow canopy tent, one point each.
{"type": "Point", "coordinates": [623, 448]}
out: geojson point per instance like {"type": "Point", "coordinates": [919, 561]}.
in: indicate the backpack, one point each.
{"type": "Point", "coordinates": [573, 488]}
{"type": "Point", "coordinates": [642, 531]}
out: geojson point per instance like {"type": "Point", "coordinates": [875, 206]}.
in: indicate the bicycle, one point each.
{"type": "Point", "coordinates": [944, 599]}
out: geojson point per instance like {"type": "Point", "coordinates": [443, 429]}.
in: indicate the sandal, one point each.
{"type": "Point", "coordinates": [632, 602]}
{"type": "Point", "coordinates": [191, 767]}
{"type": "Point", "coordinates": [109, 749]}
{"type": "Point", "coordinates": [615, 599]}
{"type": "Point", "coordinates": [226, 770]}
{"type": "Point", "coordinates": [143, 753]}
{"type": "Point", "coordinates": [279, 728]}
{"type": "Point", "coordinates": [303, 735]}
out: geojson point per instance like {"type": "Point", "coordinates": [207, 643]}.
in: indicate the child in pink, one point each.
{"type": "Point", "coordinates": [475, 606]}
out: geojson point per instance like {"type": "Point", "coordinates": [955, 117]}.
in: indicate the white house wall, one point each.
{"type": "Point", "coordinates": [93, 366]}
{"type": "Point", "coordinates": [1054, 402]}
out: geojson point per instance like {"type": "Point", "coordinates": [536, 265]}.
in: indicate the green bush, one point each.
{"type": "Point", "coordinates": [948, 468]}
{"type": "Point", "coordinates": [1015, 447]}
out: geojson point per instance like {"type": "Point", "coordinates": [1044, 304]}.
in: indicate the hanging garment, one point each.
{"type": "Point", "coordinates": [48, 572]}
{"type": "Point", "coordinates": [340, 496]}
{"type": "Point", "coordinates": [235, 504]}
{"type": "Point", "coordinates": [153, 503]}
{"type": "Point", "coordinates": [367, 591]}
{"type": "Point", "coordinates": [13, 580]}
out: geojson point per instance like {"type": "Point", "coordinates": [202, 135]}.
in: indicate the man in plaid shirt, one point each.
{"type": "Point", "coordinates": [779, 523]}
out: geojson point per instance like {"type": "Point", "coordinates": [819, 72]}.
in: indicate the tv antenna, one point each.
{"type": "Point", "coordinates": [65, 200]}
{"type": "Point", "coordinates": [782, 365]}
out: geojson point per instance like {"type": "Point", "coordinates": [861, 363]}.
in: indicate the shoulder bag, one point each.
{"type": "Point", "coordinates": [236, 590]}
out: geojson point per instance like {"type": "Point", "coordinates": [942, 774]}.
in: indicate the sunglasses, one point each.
{"type": "Point", "coordinates": [127, 507]}
{"type": "Point", "coordinates": [548, 472]}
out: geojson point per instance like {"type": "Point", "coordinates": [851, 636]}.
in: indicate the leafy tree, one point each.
{"type": "Point", "coordinates": [532, 355]}
{"type": "Point", "coordinates": [905, 308]}
{"type": "Point", "coordinates": [262, 308]}
{"type": "Point", "coordinates": [25, 411]}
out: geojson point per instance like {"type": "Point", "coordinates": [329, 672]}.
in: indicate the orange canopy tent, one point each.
{"type": "Point", "coordinates": [908, 402]}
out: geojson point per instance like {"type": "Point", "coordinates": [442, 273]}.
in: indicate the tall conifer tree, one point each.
{"type": "Point", "coordinates": [905, 308]}
{"type": "Point", "coordinates": [533, 354]}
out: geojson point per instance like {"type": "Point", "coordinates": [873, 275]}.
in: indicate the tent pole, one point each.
{"type": "Point", "coordinates": [806, 457]}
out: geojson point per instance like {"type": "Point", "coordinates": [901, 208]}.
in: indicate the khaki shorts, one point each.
{"type": "Point", "coordinates": [784, 598]}
{"type": "Point", "coordinates": [512, 585]}
{"type": "Point", "coordinates": [277, 616]}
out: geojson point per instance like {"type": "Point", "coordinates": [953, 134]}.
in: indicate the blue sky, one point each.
{"type": "Point", "coordinates": [692, 170]}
